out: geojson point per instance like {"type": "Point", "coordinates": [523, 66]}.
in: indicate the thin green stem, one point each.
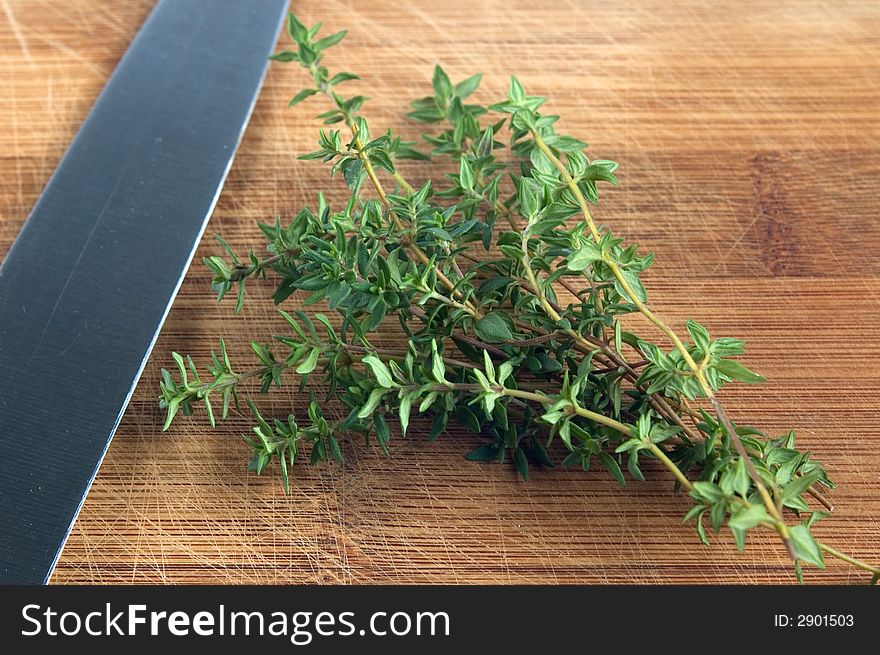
{"type": "Point", "coordinates": [623, 428]}
{"type": "Point", "coordinates": [771, 506]}
{"type": "Point", "coordinates": [660, 454]}
{"type": "Point", "coordinates": [533, 287]}
{"type": "Point", "coordinates": [358, 146]}
{"type": "Point", "coordinates": [548, 307]}
{"type": "Point", "coordinates": [849, 560]}
{"type": "Point", "coordinates": [406, 186]}
{"type": "Point", "coordinates": [418, 252]}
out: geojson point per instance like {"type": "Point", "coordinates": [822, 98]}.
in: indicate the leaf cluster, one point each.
{"type": "Point", "coordinates": [511, 303]}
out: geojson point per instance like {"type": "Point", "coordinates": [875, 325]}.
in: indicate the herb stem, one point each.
{"type": "Point", "coordinates": [418, 252]}
{"type": "Point", "coordinates": [380, 191]}
{"type": "Point", "coordinates": [660, 454]}
{"type": "Point", "coordinates": [656, 402]}
{"type": "Point", "coordinates": [406, 186]}
{"type": "Point", "coordinates": [624, 429]}
{"type": "Point", "coordinates": [404, 251]}
{"type": "Point", "coordinates": [769, 503]}
{"type": "Point", "coordinates": [479, 345]}
{"type": "Point", "coordinates": [580, 411]}
{"type": "Point", "coordinates": [849, 560]}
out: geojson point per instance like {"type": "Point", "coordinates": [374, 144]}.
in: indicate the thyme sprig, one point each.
{"type": "Point", "coordinates": [510, 297]}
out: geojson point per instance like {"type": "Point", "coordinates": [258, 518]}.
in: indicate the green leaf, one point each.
{"type": "Point", "coordinates": [485, 453]}
{"type": "Point", "coordinates": [438, 425]}
{"type": "Point", "coordinates": [692, 513]}
{"type": "Point", "coordinates": [466, 87]}
{"type": "Point", "coordinates": [517, 94]}
{"type": "Point", "coordinates": [522, 464]}
{"type": "Point", "coordinates": [334, 449]}
{"type": "Point", "coordinates": [540, 453]}
{"type": "Point", "coordinates": [329, 41]}
{"type": "Point", "coordinates": [582, 258]}
{"type": "Point", "coordinates": [284, 55]}
{"type": "Point", "coordinates": [258, 462]}
{"type": "Point", "coordinates": [406, 152]}
{"type": "Point", "coordinates": [749, 517]}
{"type": "Point", "coordinates": [442, 85]}
{"type": "Point", "coordinates": [404, 410]}
{"type": "Point", "coordinates": [467, 418]}
{"type": "Point", "coordinates": [805, 545]}
{"type": "Point", "coordinates": [466, 174]}
{"type": "Point", "coordinates": [700, 335]}
{"type": "Point", "coordinates": [814, 517]}
{"type": "Point", "coordinates": [210, 411]}
{"type": "Point", "coordinates": [428, 115]}
{"type": "Point", "coordinates": [737, 371]}
{"type": "Point", "coordinates": [297, 31]}
{"type": "Point", "coordinates": [380, 370]}
{"type": "Point", "coordinates": [383, 436]}
{"type": "Point", "coordinates": [284, 478]}
{"type": "Point", "coordinates": [173, 407]}
{"type": "Point", "coordinates": [613, 467]}
{"type": "Point", "coordinates": [372, 403]}
{"type": "Point", "coordinates": [438, 367]}
{"type": "Point", "coordinates": [798, 486]}
{"type": "Point", "coordinates": [528, 197]}
{"type": "Point", "coordinates": [178, 359]}
{"type": "Point", "coordinates": [352, 172]}
{"type": "Point", "coordinates": [570, 144]}
{"type": "Point", "coordinates": [634, 283]}
{"type": "Point", "coordinates": [489, 367]}
{"type": "Point", "coordinates": [717, 514]}
{"type": "Point", "coordinates": [308, 365]}
{"type": "Point", "coordinates": [739, 537]}
{"type": "Point", "coordinates": [302, 95]}
{"type": "Point", "coordinates": [342, 77]}
{"type": "Point", "coordinates": [492, 328]}
{"type": "Point", "coordinates": [741, 479]}
{"type": "Point", "coordinates": [633, 466]}
{"type": "Point", "coordinates": [701, 530]}
{"type": "Point", "coordinates": [707, 491]}
{"type": "Point", "coordinates": [631, 444]}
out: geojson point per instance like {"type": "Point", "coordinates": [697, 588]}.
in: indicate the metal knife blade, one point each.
{"type": "Point", "coordinates": [89, 280]}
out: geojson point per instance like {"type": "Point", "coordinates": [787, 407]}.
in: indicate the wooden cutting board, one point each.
{"type": "Point", "coordinates": [749, 137]}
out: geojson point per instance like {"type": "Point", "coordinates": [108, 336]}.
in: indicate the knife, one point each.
{"type": "Point", "coordinates": [87, 284]}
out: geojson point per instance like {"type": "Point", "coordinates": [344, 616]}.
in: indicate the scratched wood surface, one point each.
{"type": "Point", "coordinates": [749, 136]}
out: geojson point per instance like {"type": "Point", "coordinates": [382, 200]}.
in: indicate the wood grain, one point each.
{"type": "Point", "coordinates": [749, 136]}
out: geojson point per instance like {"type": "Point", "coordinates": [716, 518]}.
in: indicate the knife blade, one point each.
{"type": "Point", "coordinates": [87, 284]}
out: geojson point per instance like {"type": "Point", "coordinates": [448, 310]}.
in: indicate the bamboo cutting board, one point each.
{"type": "Point", "coordinates": [749, 138]}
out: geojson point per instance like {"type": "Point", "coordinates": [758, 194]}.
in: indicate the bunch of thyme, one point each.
{"type": "Point", "coordinates": [491, 342]}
